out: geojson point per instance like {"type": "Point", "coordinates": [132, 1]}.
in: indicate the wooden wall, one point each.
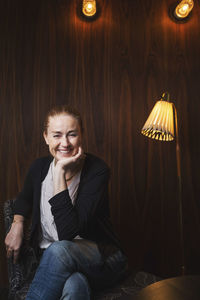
{"type": "Point", "coordinates": [113, 70]}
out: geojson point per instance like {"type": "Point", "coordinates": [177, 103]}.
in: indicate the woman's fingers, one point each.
{"type": "Point", "coordinates": [13, 254]}
{"type": "Point", "coordinates": [68, 162]}
{"type": "Point", "coordinates": [13, 240]}
{"type": "Point", "coordinates": [79, 154]}
{"type": "Point", "coordinates": [9, 252]}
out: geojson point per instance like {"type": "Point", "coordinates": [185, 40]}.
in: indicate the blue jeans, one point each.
{"type": "Point", "coordinates": [68, 269]}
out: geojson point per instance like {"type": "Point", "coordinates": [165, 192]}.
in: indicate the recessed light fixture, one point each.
{"type": "Point", "coordinates": [183, 9]}
{"type": "Point", "coordinates": [89, 8]}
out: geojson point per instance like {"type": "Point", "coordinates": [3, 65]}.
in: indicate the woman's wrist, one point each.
{"type": "Point", "coordinates": [18, 219]}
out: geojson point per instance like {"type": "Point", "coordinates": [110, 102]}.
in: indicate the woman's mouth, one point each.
{"type": "Point", "coordinates": [65, 151]}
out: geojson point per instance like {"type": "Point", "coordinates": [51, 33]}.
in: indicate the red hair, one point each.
{"type": "Point", "coordinates": [60, 110]}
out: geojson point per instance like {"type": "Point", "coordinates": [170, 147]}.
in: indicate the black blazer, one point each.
{"type": "Point", "coordinates": [89, 217]}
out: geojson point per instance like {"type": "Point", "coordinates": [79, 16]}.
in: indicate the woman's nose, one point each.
{"type": "Point", "coordinates": [65, 141]}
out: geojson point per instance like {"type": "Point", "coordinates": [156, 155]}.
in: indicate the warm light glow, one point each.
{"type": "Point", "coordinates": [183, 9]}
{"type": "Point", "coordinates": [89, 7]}
{"type": "Point", "coordinates": [160, 123]}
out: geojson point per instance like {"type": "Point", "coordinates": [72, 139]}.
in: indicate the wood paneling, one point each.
{"type": "Point", "coordinates": [113, 70]}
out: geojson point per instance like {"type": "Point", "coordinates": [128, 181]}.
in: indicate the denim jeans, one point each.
{"type": "Point", "coordinates": [68, 269]}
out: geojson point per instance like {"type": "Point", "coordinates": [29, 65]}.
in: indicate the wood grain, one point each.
{"type": "Point", "coordinates": [113, 70]}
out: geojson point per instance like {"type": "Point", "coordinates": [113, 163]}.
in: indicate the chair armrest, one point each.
{"type": "Point", "coordinates": [22, 272]}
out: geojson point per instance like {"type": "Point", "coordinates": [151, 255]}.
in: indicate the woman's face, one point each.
{"type": "Point", "coordinates": [63, 136]}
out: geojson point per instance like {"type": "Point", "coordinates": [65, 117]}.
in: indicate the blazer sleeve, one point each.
{"type": "Point", "coordinates": [23, 202]}
{"type": "Point", "coordinates": [92, 196]}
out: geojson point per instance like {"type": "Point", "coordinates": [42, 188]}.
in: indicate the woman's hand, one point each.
{"type": "Point", "coordinates": [65, 168]}
{"type": "Point", "coordinates": [69, 163]}
{"type": "Point", "coordinates": [14, 238]}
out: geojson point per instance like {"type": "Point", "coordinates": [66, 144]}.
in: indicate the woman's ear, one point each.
{"type": "Point", "coordinates": [45, 138]}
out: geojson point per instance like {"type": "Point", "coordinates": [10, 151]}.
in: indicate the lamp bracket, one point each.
{"type": "Point", "coordinates": [165, 96]}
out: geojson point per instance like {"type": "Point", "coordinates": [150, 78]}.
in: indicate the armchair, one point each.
{"type": "Point", "coordinates": [21, 274]}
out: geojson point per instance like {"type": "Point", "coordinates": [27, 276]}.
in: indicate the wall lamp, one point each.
{"type": "Point", "coordinates": [183, 9]}
{"type": "Point", "coordinates": [89, 8]}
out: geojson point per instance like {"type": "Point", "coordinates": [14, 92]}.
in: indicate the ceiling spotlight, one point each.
{"type": "Point", "coordinates": [183, 9]}
{"type": "Point", "coordinates": [89, 8]}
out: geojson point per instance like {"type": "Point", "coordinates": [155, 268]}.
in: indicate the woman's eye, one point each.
{"type": "Point", "coordinates": [56, 135]}
{"type": "Point", "coordinates": [73, 134]}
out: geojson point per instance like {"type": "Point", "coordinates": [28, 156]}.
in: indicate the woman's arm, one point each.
{"type": "Point", "coordinates": [14, 237]}
{"type": "Point", "coordinates": [24, 201]}
{"type": "Point", "coordinates": [92, 196]}
{"type": "Point", "coordinates": [22, 207]}
{"type": "Point", "coordinates": [65, 166]}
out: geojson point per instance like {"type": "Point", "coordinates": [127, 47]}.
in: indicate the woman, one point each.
{"type": "Point", "coordinates": [67, 195]}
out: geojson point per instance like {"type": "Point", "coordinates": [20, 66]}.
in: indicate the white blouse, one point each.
{"type": "Point", "coordinates": [48, 226]}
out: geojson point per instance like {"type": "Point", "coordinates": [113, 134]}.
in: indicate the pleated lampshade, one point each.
{"type": "Point", "coordinates": [160, 123]}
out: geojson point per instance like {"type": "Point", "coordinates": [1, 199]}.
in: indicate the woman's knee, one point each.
{"type": "Point", "coordinates": [59, 251]}
{"type": "Point", "coordinates": [58, 247]}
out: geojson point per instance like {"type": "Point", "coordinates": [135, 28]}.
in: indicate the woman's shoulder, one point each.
{"type": "Point", "coordinates": [40, 163]}
{"type": "Point", "coordinates": [95, 161]}
{"type": "Point", "coordinates": [42, 160]}
{"type": "Point", "coordinates": [94, 165]}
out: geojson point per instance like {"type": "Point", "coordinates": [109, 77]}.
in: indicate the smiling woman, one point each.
{"type": "Point", "coordinates": [63, 136]}
{"type": "Point", "coordinates": [67, 194]}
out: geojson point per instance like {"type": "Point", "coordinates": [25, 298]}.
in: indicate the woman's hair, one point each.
{"type": "Point", "coordinates": [60, 110]}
